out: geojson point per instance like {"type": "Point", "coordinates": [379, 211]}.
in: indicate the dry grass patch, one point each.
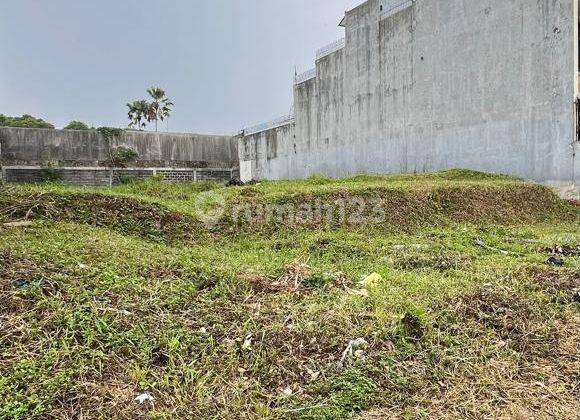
{"type": "Point", "coordinates": [562, 285]}
{"type": "Point", "coordinates": [492, 354]}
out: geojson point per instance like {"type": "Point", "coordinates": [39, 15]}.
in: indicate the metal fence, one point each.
{"type": "Point", "coordinates": [307, 75]}
{"type": "Point", "coordinates": [278, 122]}
{"type": "Point", "coordinates": [390, 7]}
{"type": "Point", "coordinates": [330, 48]}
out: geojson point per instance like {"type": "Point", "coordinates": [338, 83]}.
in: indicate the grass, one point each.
{"type": "Point", "coordinates": [112, 293]}
{"type": "Point", "coordinates": [184, 197]}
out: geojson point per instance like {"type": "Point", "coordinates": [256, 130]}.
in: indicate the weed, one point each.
{"type": "Point", "coordinates": [116, 292]}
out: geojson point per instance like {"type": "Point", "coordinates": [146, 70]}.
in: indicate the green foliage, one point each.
{"type": "Point", "coordinates": [122, 155]}
{"type": "Point", "coordinates": [26, 121]}
{"type": "Point", "coordinates": [138, 113]}
{"type": "Point", "coordinates": [77, 125]}
{"type": "Point", "coordinates": [141, 112]}
{"type": "Point", "coordinates": [110, 133]}
{"type": "Point", "coordinates": [160, 107]}
{"type": "Point", "coordinates": [17, 400]}
{"type": "Point", "coordinates": [318, 180]}
{"type": "Point", "coordinates": [413, 323]}
{"type": "Point", "coordinates": [119, 156]}
{"type": "Point", "coordinates": [127, 180]}
{"type": "Point", "coordinates": [350, 392]}
{"type": "Point", "coordinates": [50, 173]}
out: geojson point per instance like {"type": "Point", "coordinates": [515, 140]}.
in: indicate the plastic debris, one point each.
{"type": "Point", "coordinates": [353, 350]}
{"type": "Point", "coordinates": [248, 342]}
{"type": "Point", "coordinates": [555, 262]}
{"type": "Point", "coordinates": [481, 244]}
{"type": "Point", "coordinates": [357, 292]}
{"type": "Point", "coordinates": [21, 284]}
{"type": "Point", "coordinates": [24, 223]}
{"type": "Point", "coordinates": [372, 281]}
{"type": "Point", "coordinates": [145, 397]}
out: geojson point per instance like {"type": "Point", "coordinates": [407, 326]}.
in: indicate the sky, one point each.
{"type": "Point", "coordinates": [226, 64]}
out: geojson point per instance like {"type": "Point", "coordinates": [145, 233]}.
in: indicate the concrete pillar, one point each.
{"type": "Point", "coordinates": [576, 52]}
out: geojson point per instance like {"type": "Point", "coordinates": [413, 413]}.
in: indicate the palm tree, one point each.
{"type": "Point", "coordinates": [160, 107]}
{"type": "Point", "coordinates": [138, 111]}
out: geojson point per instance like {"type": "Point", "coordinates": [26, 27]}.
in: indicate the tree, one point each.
{"type": "Point", "coordinates": [77, 125]}
{"type": "Point", "coordinates": [138, 111]}
{"type": "Point", "coordinates": [26, 121]}
{"type": "Point", "coordinates": [160, 107]}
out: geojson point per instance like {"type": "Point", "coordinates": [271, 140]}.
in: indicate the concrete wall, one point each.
{"type": "Point", "coordinates": [20, 146]}
{"type": "Point", "coordinates": [485, 85]}
{"type": "Point", "coordinates": [270, 154]}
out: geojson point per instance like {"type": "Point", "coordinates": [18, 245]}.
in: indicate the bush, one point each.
{"type": "Point", "coordinates": [26, 121]}
{"type": "Point", "coordinates": [110, 133]}
{"type": "Point", "coordinates": [121, 155]}
{"type": "Point", "coordinates": [77, 125]}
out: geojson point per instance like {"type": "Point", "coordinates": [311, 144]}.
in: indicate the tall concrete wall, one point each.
{"type": "Point", "coordinates": [269, 152]}
{"type": "Point", "coordinates": [20, 146]}
{"type": "Point", "coordinates": [436, 84]}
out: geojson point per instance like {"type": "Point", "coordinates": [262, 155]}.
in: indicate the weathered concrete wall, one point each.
{"type": "Point", "coordinates": [21, 146]}
{"type": "Point", "coordinates": [206, 150]}
{"type": "Point", "coordinates": [269, 154]}
{"type": "Point", "coordinates": [485, 85]}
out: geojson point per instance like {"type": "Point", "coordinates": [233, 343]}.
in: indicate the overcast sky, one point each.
{"type": "Point", "coordinates": [225, 63]}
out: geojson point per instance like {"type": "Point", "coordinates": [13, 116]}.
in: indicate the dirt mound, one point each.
{"type": "Point", "coordinates": [125, 215]}
{"type": "Point", "coordinates": [387, 208]}
{"type": "Point", "coordinates": [400, 208]}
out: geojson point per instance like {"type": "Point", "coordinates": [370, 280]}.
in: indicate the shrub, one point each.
{"type": "Point", "coordinates": [77, 125]}
{"type": "Point", "coordinates": [26, 121]}
{"type": "Point", "coordinates": [122, 155]}
{"type": "Point", "coordinates": [110, 132]}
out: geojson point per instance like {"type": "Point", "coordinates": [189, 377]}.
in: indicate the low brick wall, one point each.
{"type": "Point", "coordinates": [98, 176]}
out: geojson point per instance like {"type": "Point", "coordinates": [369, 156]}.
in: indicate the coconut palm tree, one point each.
{"type": "Point", "coordinates": [138, 111]}
{"type": "Point", "coordinates": [160, 107]}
